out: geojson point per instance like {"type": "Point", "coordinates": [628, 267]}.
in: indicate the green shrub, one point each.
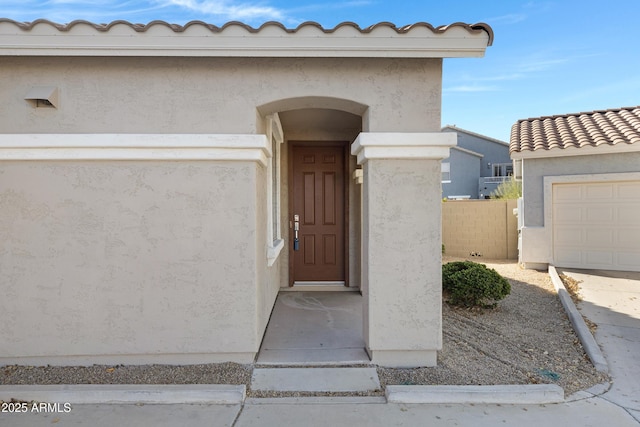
{"type": "Point", "coordinates": [470, 284]}
{"type": "Point", "coordinates": [509, 189]}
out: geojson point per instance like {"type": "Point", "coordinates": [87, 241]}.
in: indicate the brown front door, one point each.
{"type": "Point", "coordinates": [318, 199]}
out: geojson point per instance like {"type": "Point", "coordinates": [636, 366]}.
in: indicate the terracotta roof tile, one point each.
{"type": "Point", "coordinates": [596, 128]}
{"type": "Point", "coordinates": [472, 28]}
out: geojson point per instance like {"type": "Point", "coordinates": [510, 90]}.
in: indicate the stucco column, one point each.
{"type": "Point", "coordinates": [402, 245]}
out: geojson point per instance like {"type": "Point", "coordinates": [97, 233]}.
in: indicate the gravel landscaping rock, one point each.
{"type": "Point", "coordinates": [214, 373]}
{"type": "Point", "coordinates": [526, 339]}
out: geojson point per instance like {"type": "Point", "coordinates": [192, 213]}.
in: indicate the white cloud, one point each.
{"type": "Point", "coordinates": [470, 88]}
{"type": "Point", "coordinates": [64, 11]}
{"type": "Point", "coordinates": [511, 18]}
{"type": "Point", "coordinates": [229, 10]}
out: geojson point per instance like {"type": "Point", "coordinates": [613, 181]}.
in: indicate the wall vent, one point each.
{"type": "Point", "coordinates": [43, 97]}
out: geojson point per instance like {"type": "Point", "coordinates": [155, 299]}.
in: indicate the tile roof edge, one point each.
{"type": "Point", "coordinates": [472, 28]}
{"type": "Point", "coordinates": [584, 113]}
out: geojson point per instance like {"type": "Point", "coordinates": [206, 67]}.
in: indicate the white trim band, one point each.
{"type": "Point", "coordinates": [397, 145]}
{"type": "Point", "coordinates": [229, 147]}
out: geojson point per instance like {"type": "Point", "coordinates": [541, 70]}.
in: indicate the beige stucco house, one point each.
{"type": "Point", "coordinates": [581, 189]}
{"type": "Point", "coordinates": [153, 180]}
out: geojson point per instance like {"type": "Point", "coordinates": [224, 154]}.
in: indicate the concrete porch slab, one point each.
{"type": "Point", "coordinates": [315, 379]}
{"type": "Point", "coordinates": [314, 328]}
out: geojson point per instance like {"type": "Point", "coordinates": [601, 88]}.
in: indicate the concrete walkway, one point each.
{"type": "Point", "coordinates": [315, 328]}
{"type": "Point", "coordinates": [609, 299]}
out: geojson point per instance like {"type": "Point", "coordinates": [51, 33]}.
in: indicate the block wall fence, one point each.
{"type": "Point", "coordinates": [482, 229]}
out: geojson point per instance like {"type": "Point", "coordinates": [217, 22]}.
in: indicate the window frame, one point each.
{"type": "Point", "coordinates": [275, 137]}
{"type": "Point", "coordinates": [503, 169]}
{"type": "Point", "coordinates": [445, 167]}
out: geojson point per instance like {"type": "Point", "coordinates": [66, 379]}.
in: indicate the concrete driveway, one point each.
{"type": "Point", "coordinates": [611, 299]}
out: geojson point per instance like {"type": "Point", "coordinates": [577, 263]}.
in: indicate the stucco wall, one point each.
{"type": "Point", "coordinates": [165, 260]}
{"type": "Point", "coordinates": [464, 172]}
{"type": "Point", "coordinates": [267, 278]}
{"type": "Point", "coordinates": [403, 270]}
{"type": "Point", "coordinates": [218, 95]}
{"type": "Point", "coordinates": [480, 228]}
{"type": "Point", "coordinates": [136, 260]}
{"type": "Point", "coordinates": [534, 170]}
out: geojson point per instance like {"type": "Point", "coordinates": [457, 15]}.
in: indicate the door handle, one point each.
{"type": "Point", "coordinates": [296, 228]}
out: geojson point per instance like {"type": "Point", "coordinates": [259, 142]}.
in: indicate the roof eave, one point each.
{"type": "Point", "coordinates": [43, 38]}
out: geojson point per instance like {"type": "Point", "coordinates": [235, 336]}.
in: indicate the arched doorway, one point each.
{"type": "Point", "coordinates": [317, 188]}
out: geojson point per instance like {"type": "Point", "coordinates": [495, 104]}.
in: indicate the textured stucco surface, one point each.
{"type": "Point", "coordinates": [219, 95]}
{"type": "Point", "coordinates": [267, 279]}
{"type": "Point", "coordinates": [119, 258]}
{"type": "Point", "coordinates": [155, 258]}
{"type": "Point", "coordinates": [402, 232]}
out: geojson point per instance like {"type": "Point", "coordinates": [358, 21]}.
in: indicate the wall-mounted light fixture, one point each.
{"type": "Point", "coordinates": [43, 97]}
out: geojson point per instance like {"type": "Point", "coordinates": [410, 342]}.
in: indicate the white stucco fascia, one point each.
{"type": "Point", "coordinates": [197, 40]}
{"type": "Point", "coordinates": [227, 147]}
{"type": "Point", "coordinates": [389, 145]}
{"type": "Point", "coordinates": [576, 151]}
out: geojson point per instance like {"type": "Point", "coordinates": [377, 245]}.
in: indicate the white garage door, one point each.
{"type": "Point", "coordinates": [597, 225]}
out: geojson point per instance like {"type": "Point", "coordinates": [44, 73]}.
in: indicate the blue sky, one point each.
{"type": "Point", "coordinates": [548, 57]}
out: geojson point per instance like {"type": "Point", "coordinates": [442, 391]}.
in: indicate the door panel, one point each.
{"type": "Point", "coordinates": [318, 194]}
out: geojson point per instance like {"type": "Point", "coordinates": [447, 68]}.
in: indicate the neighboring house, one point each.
{"type": "Point", "coordinates": [581, 189]}
{"type": "Point", "coordinates": [159, 185]}
{"type": "Point", "coordinates": [476, 165]}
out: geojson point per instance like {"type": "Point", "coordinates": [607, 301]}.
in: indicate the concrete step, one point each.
{"type": "Point", "coordinates": [315, 379]}
{"type": "Point", "coordinates": [329, 356]}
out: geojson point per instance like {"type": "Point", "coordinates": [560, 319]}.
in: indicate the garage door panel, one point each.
{"type": "Point", "coordinates": [598, 238]}
{"type": "Point", "coordinates": [597, 225]}
{"type": "Point", "coordinates": [629, 190]}
{"type": "Point", "coordinates": [569, 236]}
{"type": "Point", "coordinates": [568, 214]}
{"type": "Point", "coordinates": [568, 256]}
{"type": "Point", "coordinates": [599, 192]}
{"type": "Point", "coordinates": [568, 193]}
{"type": "Point", "coordinates": [628, 260]}
{"type": "Point", "coordinates": [599, 214]}
{"type": "Point", "coordinates": [599, 258]}
{"type": "Point", "coordinates": [629, 214]}
{"type": "Point", "coordinates": [628, 238]}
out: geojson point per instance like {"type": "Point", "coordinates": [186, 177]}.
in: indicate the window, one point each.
{"type": "Point", "coordinates": [274, 228]}
{"type": "Point", "coordinates": [502, 169]}
{"type": "Point", "coordinates": [445, 169]}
